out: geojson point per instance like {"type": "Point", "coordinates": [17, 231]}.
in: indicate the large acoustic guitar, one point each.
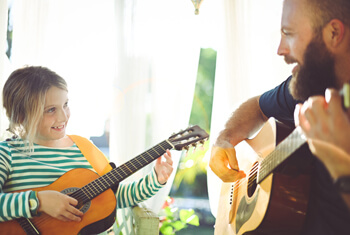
{"type": "Point", "coordinates": [94, 194]}
{"type": "Point", "coordinates": [273, 197]}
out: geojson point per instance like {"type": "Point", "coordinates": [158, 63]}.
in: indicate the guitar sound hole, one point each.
{"type": "Point", "coordinates": [82, 207]}
{"type": "Point", "coordinates": [252, 179]}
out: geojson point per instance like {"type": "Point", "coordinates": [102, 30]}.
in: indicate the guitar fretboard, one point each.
{"type": "Point", "coordinates": [282, 151]}
{"type": "Point", "coordinates": [120, 173]}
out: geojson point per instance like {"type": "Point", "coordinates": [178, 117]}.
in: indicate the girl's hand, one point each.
{"type": "Point", "coordinates": [59, 206]}
{"type": "Point", "coordinates": [164, 168]}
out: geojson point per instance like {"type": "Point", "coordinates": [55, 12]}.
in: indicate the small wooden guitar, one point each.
{"type": "Point", "coordinates": [273, 198]}
{"type": "Point", "coordinates": [94, 194]}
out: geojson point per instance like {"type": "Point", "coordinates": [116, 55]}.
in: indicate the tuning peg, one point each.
{"type": "Point", "coordinates": [194, 150]}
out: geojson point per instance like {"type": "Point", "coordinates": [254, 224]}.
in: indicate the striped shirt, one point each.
{"type": "Point", "coordinates": [20, 170]}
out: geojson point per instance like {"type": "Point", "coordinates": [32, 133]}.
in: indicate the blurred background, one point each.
{"type": "Point", "coordinates": [139, 71]}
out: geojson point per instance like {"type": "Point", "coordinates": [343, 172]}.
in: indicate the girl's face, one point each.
{"type": "Point", "coordinates": [53, 125]}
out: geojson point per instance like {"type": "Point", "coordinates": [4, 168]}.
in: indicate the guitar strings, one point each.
{"type": "Point", "coordinates": [248, 178]}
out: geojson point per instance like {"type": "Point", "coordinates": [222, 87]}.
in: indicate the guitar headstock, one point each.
{"type": "Point", "coordinates": [189, 137]}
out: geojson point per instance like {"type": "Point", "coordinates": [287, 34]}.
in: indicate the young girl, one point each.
{"type": "Point", "coordinates": [36, 103]}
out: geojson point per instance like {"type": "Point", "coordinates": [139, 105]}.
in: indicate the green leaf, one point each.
{"type": "Point", "coordinates": [193, 220]}
{"type": "Point", "coordinates": [185, 214]}
{"type": "Point", "coordinates": [168, 211]}
{"type": "Point", "coordinates": [178, 225]}
{"type": "Point", "coordinates": [166, 230]}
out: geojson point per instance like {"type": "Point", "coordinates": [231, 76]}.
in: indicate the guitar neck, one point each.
{"type": "Point", "coordinates": [282, 151]}
{"type": "Point", "coordinates": [101, 184]}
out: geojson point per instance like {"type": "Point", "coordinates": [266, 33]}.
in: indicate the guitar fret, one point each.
{"type": "Point", "coordinates": [83, 191]}
{"type": "Point", "coordinates": [157, 154]}
{"type": "Point", "coordinates": [103, 185]}
{"type": "Point", "coordinates": [98, 185]}
{"type": "Point", "coordinates": [149, 155]}
{"type": "Point", "coordinates": [155, 151]}
{"type": "Point", "coordinates": [133, 165]}
{"type": "Point", "coordinates": [87, 191]}
{"type": "Point", "coordinates": [122, 170]}
{"type": "Point", "coordinates": [121, 177]}
{"type": "Point", "coordinates": [152, 157]}
{"type": "Point", "coordinates": [106, 182]}
{"type": "Point", "coordinates": [138, 161]}
{"type": "Point", "coordinates": [112, 175]}
{"type": "Point", "coordinates": [94, 185]}
{"type": "Point", "coordinates": [144, 158]}
{"type": "Point", "coordinates": [110, 180]}
{"type": "Point", "coordinates": [127, 167]}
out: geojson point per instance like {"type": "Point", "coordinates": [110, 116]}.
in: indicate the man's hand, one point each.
{"type": "Point", "coordinates": [323, 118]}
{"type": "Point", "coordinates": [223, 163]}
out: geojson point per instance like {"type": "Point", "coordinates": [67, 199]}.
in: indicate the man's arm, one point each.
{"type": "Point", "coordinates": [243, 123]}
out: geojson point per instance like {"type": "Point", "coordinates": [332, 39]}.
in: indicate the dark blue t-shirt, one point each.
{"type": "Point", "coordinates": [279, 103]}
{"type": "Point", "coordinates": [327, 212]}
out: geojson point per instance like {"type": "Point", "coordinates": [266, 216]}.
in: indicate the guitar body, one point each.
{"type": "Point", "coordinates": [277, 205]}
{"type": "Point", "coordinates": [98, 217]}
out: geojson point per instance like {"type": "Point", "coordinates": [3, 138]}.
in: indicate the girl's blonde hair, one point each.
{"type": "Point", "coordinates": [24, 99]}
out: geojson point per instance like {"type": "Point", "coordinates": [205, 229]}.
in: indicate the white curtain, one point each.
{"type": "Point", "coordinates": [247, 64]}
{"type": "Point", "coordinates": [76, 40]}
{"type": "Point", "coordinates": [4, 63]}
{"type": "Point", "coordinates": [154, 85]}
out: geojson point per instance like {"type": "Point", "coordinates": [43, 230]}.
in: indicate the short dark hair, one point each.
{"type": "Point", "coordinates": [323, 11]}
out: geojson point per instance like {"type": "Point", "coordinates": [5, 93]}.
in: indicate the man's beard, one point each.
{"type": "Point", "coordinates": [316, 74]}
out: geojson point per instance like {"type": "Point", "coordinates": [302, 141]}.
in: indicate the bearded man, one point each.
{"type": "Point", "coordinates": [315, 36]}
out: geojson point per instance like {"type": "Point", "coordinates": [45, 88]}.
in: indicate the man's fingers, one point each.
{"type": "Point", "coordinates": [232, 175]}
{"type": "Point", "coordinates": [334, 101]}
{"type": "Point", "coordinates": [296, 114]}
{"type": "Point", "coordinates": [221, 159]}
{"type": "Point", "coordinates": [232, 160]}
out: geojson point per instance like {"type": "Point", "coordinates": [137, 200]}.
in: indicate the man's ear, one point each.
{"type": "Point", "coordinates": [333, 33]}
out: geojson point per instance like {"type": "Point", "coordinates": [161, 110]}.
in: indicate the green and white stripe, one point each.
{"type": "Point", "coordinates": [20, 171]}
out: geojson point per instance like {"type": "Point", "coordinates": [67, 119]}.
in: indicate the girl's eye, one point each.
{"type": "Point", "coordinates": [50, 110]}
{"type": "Point", "coordinates": [66, 104]}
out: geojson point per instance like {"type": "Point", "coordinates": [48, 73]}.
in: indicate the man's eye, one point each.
{"type": "Point", "coordinates": [285, 32]}
{"type": "Point", "coordinates": [66, 104]}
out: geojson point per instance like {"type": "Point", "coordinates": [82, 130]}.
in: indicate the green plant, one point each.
{"type": "Point", "coordinates": [173, 219]}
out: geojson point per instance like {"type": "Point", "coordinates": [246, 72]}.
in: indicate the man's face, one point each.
{"type": "Point", "coordinates": [314, 70]}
